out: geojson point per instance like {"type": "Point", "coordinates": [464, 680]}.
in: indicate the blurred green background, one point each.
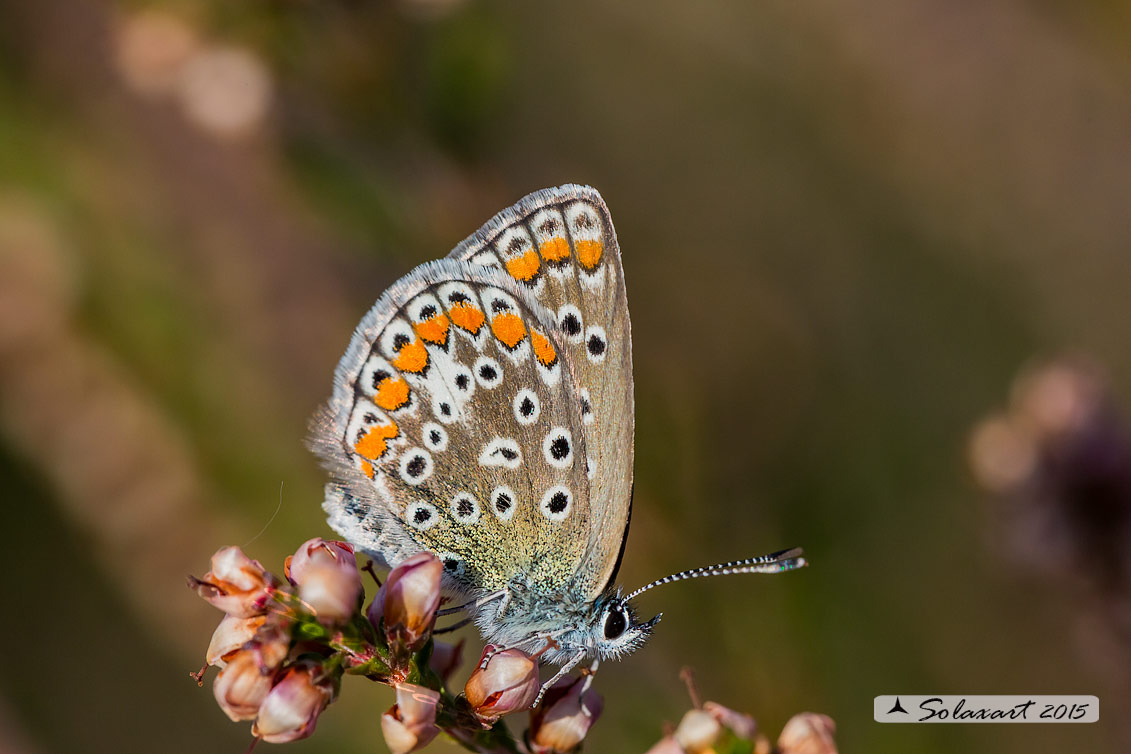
{"type": "Point", "coordinates": [845, 226]}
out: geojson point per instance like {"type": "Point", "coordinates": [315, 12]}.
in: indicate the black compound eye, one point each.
{"type": "Point", "coordinates": [615, 624]}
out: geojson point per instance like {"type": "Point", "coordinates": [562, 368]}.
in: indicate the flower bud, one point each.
{"type": "Point", "coordinates": [741, 725]}
{"type": "Point", "coordinates": [697, 731]}
{"type": "Point", "coordinates": [409, 599]}
{"type": "Point", "coordinates": [808, 733]}
{"type": "Point", "coordinates": [327, 578]}
{"type": "Point", "coordinates": [236, 584]}
{"type": "Point", "coordinates": [562, 720]}
{"type": "Point", "coordinates": [242, 686]}
{"type": "Point", "coordinates": [230, 636]}
{"type": "Point", "coordinates": [509, 683]}
{"type": "Point", "coordinates": [410, 724]}
{"type": "Point", "coordinates": [666, 745]}
{"type": "Point", "coordinates": [446, 659]}
{"type": "Point", "coordinates": [293, 705]}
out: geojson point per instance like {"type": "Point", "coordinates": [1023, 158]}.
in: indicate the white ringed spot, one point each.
{"type": "Point", "coordinates": [502, 451]}
{"type": "Point", "coordinates": [465, 508]}
{"type": "Point", "coordinates": [488, 373]}
{"type": "Point", "coordinates": [527, 407]}
{"type": "Point", "coordinates": [415, 466]}
{"type": "Point", "coordinates": [503, 502]}
{"type": "Point", "coordinates": [556, 503]}
{"type": "Point", "coordinates": [434, 436]}
{"type": "Point", "coordinates": [587, 415]}
{"type": "Point", "coordinates": [570, 323]}
{"type": "Point", "coordinates": [421, 515]}
{"type": "Point", "coordinates": [596, 343]}
{"type": "Point", "coordinates": [557, 447]}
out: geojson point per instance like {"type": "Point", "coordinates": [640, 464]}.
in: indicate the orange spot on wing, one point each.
{"type": "Point", "coordinates": [589, 253]}
{"type": "Point", "coordinates": [554, 249]}
{"type": "Point", "coordinates": [375, 442]}
{"type": "Point", "coordinates": [525, 267]}
{"type": "Point", "coordinates": [434, 329]}
{"type": "Point", "coordinates": [543, 349]}
{"type": "Point", "coordinates": [467, 316]}
{"type": "Point", "coordinates": [392, 393]}
{"type": "Point", "coordinates": [509, 329]}
{"type": "Point", "coordinates": [367, 469]}
{"type": "Point", "coordinates": [412, 357]}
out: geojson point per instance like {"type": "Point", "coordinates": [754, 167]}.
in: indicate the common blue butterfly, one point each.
{"type": "Point", "coordinates": [484, 411]}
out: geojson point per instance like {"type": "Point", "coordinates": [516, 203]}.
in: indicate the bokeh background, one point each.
{"type": "Point", "coordinates": [846, 226]}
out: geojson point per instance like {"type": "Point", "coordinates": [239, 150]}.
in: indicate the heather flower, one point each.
{"type": "Point", "coordinates": [236, 584]}
{"type": "Point", "coordinates": [808, 733]}
{"type": "Point", "coordinates": [291, 708]}
{"type": "Point", "coordinates": [567, 711]}
{"type": "Point", "coordinates": [410, 724]}
{"type": "Point", "coordinates": [446, 659]}
{"type": "Point", "coordinates": [231, 635]}
{"type": "Point", "coordinates": [241, 686]}
{"type": "Point", "coordinates": [698, 731]}
{"type": "Point", "coordinates": [409, 598]}
{"type": "Point", "coordinates": [741, 725]}
{"type": "Point", "coordinates": [328, 582]}
{"type": "Point", "coordinates": [507, 684]}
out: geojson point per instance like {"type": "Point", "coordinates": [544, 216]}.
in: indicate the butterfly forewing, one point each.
{"type": "Point", "coordinates": [559, 245]}
{"type": "Point", "coordinates": [454, 428]}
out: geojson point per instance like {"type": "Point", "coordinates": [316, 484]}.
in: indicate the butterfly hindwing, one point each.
{"type": "Point", "coordinates": [454, 428]}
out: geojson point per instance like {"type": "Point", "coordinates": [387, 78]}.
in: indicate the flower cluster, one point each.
{"type": "Point", "coordinates": [284, 645]}
{"type": "Point", "coordinates": [710, 727]}
{"type": "Point", "coordinates": [1058, 459]}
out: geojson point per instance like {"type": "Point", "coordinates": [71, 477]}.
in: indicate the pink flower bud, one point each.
{"type": "Point", "coordinates": [230, 636]}
{"type": "Point", "coordinates": [293, 705]}
{"type": "Point", "coordinates": [666, 745]}
{"type": "Point", "coordinates": [409, 598]}
{"type": "Point", "coordinates": [236, 584]}
{"type": "Point", "coordinates": [698, 731]}
{"type": "Point", "coordinates": [562, 720]}
{"type": "Point", "coordinates": [446, 659]}
{"type": "Point", "coordinates": [242, 686]}
{"type": "Point", "coordinates": [808, 733]}
{"type": "Point", "coordinates": [508, 684]}
{"type": "Point", "coordinates": [327, 578]}
{"type": "Point", "coordinates": [410, 724]}
{"type": "Point", "coordinates": [741, 725]}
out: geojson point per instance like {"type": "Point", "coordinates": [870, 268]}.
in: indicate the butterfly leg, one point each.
{"type": "Point", "coordinates": [571, 663]}
{"type": "Point", "coordinates": [480, 602]}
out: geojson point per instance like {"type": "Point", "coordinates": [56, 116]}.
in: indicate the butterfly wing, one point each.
{"type": "Point", "coordinates": [454, 428]}
{"type": "Point", "coordinates": [559, 245]}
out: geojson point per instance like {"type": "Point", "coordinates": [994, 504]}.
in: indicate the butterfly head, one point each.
{"type": "Point", "coordinates": [615, 630]}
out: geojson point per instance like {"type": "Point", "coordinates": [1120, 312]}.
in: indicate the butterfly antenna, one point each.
{"type": "Point", "coordinates": [777, 562]}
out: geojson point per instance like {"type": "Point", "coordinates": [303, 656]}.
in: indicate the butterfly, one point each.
{"type": "Point", "coordinates": [484, 412]}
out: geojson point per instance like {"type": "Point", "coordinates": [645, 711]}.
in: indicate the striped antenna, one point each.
{"type": "Point", "coordinates": [778, 562]}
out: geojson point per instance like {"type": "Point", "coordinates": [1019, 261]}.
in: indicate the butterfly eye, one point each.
{"type": "Point", "coordinates": [615, 623]}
